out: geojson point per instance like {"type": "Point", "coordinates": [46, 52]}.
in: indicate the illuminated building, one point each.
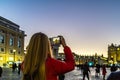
{"type": "Point", "coordinates": [91, 59]}
{"type": "Point", "coordinates": [11, 42]}
{"type": "Point", "coordinates": [113, 54]}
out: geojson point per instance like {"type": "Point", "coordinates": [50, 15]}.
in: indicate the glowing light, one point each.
{"type": "Point", "coordinates": [10, 58]}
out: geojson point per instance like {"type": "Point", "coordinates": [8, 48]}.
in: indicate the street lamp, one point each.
{"type": "Point", "coordinates": [25, 52]}
{"type": "Point", "coordinates": [14, 54]}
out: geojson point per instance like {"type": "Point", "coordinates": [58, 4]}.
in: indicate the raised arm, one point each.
{"type": "Point", "coordinates": [68, 64]}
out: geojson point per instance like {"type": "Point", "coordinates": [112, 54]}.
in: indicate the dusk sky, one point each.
{"type": "Point", "coordinates": [88, 26]}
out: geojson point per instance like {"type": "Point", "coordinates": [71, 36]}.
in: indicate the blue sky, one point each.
{"type": "Point", "coordinates": [88, 26]}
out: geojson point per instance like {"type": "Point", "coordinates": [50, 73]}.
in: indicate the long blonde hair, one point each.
{"type": "Point", "coordinates": [34, 62]}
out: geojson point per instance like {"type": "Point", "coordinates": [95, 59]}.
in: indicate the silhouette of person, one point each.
{"type": "Point", "coordinates": [113, 68]}
{"type": "Point", "coordinates": [97, 70]}
{"type": "Point", "coordinates": [86, 70]}
{"type": "Point", "coordinates": [14, 67]}
{"type": "Point", "coordinates": [61, 76]}
{"type": "Point", "coordinates": [19, 68]}
{"type": "Point", "coordinates": [1, 71]}
{"type": "Point", "coordinates": [114, 76]}
{"type": "Point", "coordinates": [104, 71]}
{"type": "Point", "coordinates": [39, 64]}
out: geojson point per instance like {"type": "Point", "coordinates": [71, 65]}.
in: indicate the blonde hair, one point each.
{"type": "Point", "coordinates": [34, 62]}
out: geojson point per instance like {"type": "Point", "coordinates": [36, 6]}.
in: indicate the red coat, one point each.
{"type": "Point", "coordinates": [55, 67]}
{"type": "Point", "coordinates": [104, 70]}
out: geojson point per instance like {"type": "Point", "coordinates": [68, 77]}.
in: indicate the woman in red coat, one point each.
{"type": "Point", "coordinates": [104, 71]}
{"type": "Point", "coordinates": [39, 63]}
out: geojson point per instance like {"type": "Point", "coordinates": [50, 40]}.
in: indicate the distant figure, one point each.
{"type": "Point", "coordinates": [97, 70]}
{"type": "Point", "coordinates": [19, 68]}
{"type": "Point", "coordinates": [113, 68]}
{"type": "Point", "coordinates": [61, 76]}
{"type": "Point", "coordinates": [86, 71]}
{"type": "Point", "coordinates": [1, 71]}
{"type": "Point", "coordinates": [81, 68]}
{"type": "Point", "coordinates": [14, 67]}
{"type": "Point", "coordinates": [104, 71]}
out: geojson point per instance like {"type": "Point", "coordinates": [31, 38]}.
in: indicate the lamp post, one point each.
{"type": "Point", "coordinates": [14, 54]}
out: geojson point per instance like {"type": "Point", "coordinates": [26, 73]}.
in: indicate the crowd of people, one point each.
{"type": "Point", "coordinates": [16, 67]}
{"type": "Point", "coordinates": [99, 69]}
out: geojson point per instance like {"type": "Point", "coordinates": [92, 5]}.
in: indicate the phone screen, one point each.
{"type": "Point", "coordinates": [56, 40]}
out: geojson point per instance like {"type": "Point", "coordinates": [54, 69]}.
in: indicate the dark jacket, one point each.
{"type": "Point", "coordinates": [62, 77]}
{"type": "Point", "coordinates": [113, 68]}
{"type": "Point", "coordinates": [1, 71]}
{"type": "Point", "coordinates": [86, 68]}
{"type": "Point", "coordinates": [114, 76]}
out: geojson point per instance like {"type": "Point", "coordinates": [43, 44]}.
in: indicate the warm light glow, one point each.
{"type": "Point", "coordinates": [25, 52]}
{"type": "Point", "coordinates": [1, 58]}
{"type": "Point", "coordinates": [11, 58]}
{"type": "Point", "coordinates": [14, 50]}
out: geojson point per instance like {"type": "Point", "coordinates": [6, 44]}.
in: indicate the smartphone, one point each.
{"type": "Point", "coordinates": [56, 40]}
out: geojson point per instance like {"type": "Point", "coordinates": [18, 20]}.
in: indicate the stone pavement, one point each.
{"type": "Point", "coordinates": [73, 75]}
{"type": "Point", "coordinates": [9, 75]}
{"type": "Point", "coordinates": [77, 75]}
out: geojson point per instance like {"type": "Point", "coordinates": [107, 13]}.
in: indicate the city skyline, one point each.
{"type": "Point", "coordinates": [88, 26]}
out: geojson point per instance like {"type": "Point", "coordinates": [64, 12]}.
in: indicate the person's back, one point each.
{"type": "Point", "coordinates": [86, 70]}
{"type": "Point", "coordinates": [39, 63]}
{"type": "Point", "coordinates": [114, 76]}
{"type": "Point", "coordinates": [113, 68]}
{"type": "Point", "coordinates": [97, 70]}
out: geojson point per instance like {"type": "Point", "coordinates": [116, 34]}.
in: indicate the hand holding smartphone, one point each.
{"type": "Point", "coordinates": [56, 40]}
{"type": "Point", "coordinates": [62, 41]}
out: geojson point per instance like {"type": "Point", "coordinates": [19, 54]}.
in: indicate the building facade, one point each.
{"type": "Point", "coordinates": [81, 59]}
{"type": "Point", "coordinates": [11, 42]}
{"type": "Point", "coordinates": [113, 54]}
{"type": "Point", "coordinates": [93, 59]}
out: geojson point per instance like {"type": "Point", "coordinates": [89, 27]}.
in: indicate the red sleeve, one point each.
{"type": "Point", "coordinates": [22, 64]}
{"type": "Point", "coordinates": [68, 65]}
